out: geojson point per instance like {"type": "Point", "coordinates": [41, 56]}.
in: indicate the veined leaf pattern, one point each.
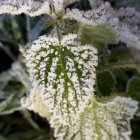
{"type": "Point", "coordinates": [29, 7]}
{"type": "Point", "coordinates": [102, 121]}
{"type": "Point", "coordinates": [65, 72]}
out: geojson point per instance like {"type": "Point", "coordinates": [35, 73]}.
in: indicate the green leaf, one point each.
{"type": "Point", "coordinates": [109, 120]}
{"type": "Point", "coordinates": [64, 73]}
{"type": "Point", "coordinates": [106, 82]}
{"type": "Point", "coordinates": [9, 105]}
{"type": "Point", "coordinates": [98, 36]}
{"type": "Point", "coordinates": [120, 54]}
{"type": "Point", "coordinates": [13, 85]}
{"type": "Point", "coordinates": [133, 88]}
{"type": "Point", "coordinates": [121, 78]}
{"type": "Point", "coordinates": [2, 138]}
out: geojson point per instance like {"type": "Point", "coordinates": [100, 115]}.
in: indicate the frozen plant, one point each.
{"type": "Point", "coordinates": [62, 71]}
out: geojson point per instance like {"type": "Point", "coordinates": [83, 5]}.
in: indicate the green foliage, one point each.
{"type": "Point", "coordinates": [98, 115]}
{"type": "Point", "coordinates": [121, 78]}
{"type": "Point", "coordinates": [108, 120]}
{"type": "Point", "coordinates": [133, 88]}
{"type": "Point", "coordinates": [99, 36]}
{"type": "Point", "coordinates": [9, 106]}
{"type": "Point", "coordinates": [13, 31]}
{"type": "Point", "coordinates": [12, 89]}
{"type": "Point", "coordinates": [120, 54]}
{"type": "Point", "coordinates": [65, 71]}
{"type": "Point", "coordinates": [105, 82]}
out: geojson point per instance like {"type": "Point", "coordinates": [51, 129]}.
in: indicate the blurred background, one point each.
{"type": "Point", "coordinates": [121, 73]}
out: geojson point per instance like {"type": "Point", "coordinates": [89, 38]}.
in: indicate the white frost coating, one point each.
{"type": "Point", "coordinates": [29, 7]}
{"type": "Point", "coordinates": [105, 121]}
{"type": "Point", "coordinates": [65, 73]}
{"type": "Point", "coordinates": [34, 102]}
{"type": "Point", "coordinates": [124, 34]}
{"type": "Point", "coordinates": [95, 3]}
{"type": "Point", "coordinates": [59, 5]}
{"type": "Point", "coordinates": [18, 71]}
{"type": "Point", "coordinates": [93, 17]}
{"type": "Point", "coordinates": [32, 7]}
{"type": "Point", "coordinates": [131, 17]}
{"type": "Point", "coordinates": [105, 15]}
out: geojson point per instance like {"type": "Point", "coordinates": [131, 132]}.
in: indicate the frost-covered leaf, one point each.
{"type": "Point", "coordinates": [65, 72]}
{"type": "Point", "coordinates": [103, 121]}
{"type": "Point", "coordinates": [33, 7]}
{"type": "Point", "coordinates": [59, 5]}
{"type": "Point", "coordinates": [105, 15]}
{"type": "Point", "coordinates": [124, 34]}
{"type": "Point", "coordinates": [14, 80]}
{"type": "Point", "coordinates": [106, 82]}
{"type": "Point", "coordinates": [13, 85]}
{"type": "Point", "coordinates": [133, 88]}
{"type": "Point", "coordinates": [95, 3]}
{"type": "Point", "coordinates": [93, 17]}
{"type": "Point", "coordinates": [35, 103]}
{"type": "Point", "coordinates": [29, 7]}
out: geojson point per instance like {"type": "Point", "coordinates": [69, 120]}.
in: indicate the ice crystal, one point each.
{"type": "Point", "coordinates": [124, 34]}
{"type": "Point", "coordinates": [29, 7]}
{"type": "Point", "coordinates": [93, 17]}
{"type": "Point", "coordinates": [59, 5]}
{"type": "Point", "coordinates": [105, 15]}
{"type": "Point", "coordinates": [105, 121]}
{"type": "Point", "coordinates": [65, 72]}
{"type": "Point", "coordinates": [131, 17]}
{"type": "Point", "coordinates": [32, 7]}
{"type": "Point", "coordinates": [95, 3]}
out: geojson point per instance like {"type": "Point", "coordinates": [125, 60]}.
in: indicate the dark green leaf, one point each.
{"type": "Point", "coordinates": [106, 82]}
{"type": "Point", "coordinates": [133, 88]}
{"type": "Point", "coordinates": [120, 54]}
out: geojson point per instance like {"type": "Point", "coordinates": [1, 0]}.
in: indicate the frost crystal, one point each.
{"type": "Point", "coordinates": [131, 17]}
{"type": "Point", "coordinates": [32, 7]}
{"type": "Point", "coordinates": [65, 73]}
{"type": "Point", "coordinates": [105, 15]}
{"type": "Point", "coordinates": [124, 34]}
{"type": "Point", "coordinates": [59, 5]}
{"type": "Point", "coordinates": [95, 3]}
{"type": "Point", "coordinates": [29, 7]}
{"type": "Point", "coordinates": [94, 17]}
{"type": "Point", "coordinates": [104, 121]}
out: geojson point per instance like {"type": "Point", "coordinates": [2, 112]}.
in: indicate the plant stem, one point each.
{"type": "Point", "coordinates": [58, 33]}
{"type": "Point", "coordinates": [7, 51]}
{"type": "Point", "coordinates": [27, 116]}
